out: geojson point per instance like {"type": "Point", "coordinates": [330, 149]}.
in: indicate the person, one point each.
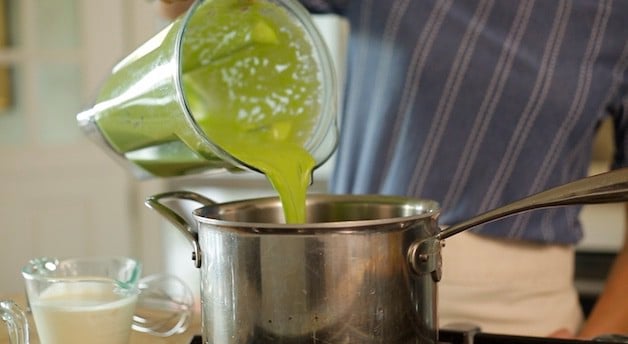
{"type": "Point", "coordinates": [476, 104]}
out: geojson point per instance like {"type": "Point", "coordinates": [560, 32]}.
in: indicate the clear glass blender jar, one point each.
{"type": "Point", "coordinates": [226, 73]}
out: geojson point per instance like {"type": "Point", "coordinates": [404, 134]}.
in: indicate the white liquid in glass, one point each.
{"type": "Point", "coordinates": [83, 312]}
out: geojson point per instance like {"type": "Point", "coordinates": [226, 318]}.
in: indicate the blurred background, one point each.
{"type": "Point", "coordinates": [60, 195]}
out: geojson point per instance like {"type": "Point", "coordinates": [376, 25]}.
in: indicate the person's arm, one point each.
{"type": "Point", "coordinates": [610, 314]}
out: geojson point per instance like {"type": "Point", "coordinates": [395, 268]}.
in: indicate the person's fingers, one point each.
{"type": "Point", "coordinates": [562, 333]}
{"type": "Point", "coordinates": [173, 8]}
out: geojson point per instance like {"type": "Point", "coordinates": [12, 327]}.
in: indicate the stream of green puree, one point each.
{"type": "Point", "coordinates": [253, 87]}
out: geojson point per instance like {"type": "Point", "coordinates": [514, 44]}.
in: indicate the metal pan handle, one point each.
{"type": "Point", "coordinates": [189, 231]}
{"type": "Point", "coordinates": [609, 187]}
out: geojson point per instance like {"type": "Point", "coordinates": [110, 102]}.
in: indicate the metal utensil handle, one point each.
{"type": "Point", "coordinates": [609, 187]}
{"type": "Point", "coordinates": [189, 231]}
{"type": "Point", "coordinates": [611, 338]}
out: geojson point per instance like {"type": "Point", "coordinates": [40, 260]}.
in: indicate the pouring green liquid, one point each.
{"type": "Point", "coordinates": [252, 86]}
{"type": "Point", "coordinates": [255, 96]}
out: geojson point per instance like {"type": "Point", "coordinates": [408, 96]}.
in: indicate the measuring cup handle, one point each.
{"type": "Point", "coordinates": [16, 322]}
{"type": "Point", "coordinates": [164, 306]}
{"type": "Point", "coordinates": [189, 231]}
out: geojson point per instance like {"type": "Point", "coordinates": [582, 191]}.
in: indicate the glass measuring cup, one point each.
{"type": "Point", "coordinates": [97, 300]}
{"type": "Point", "coordinates": [82, 299]}
{"type": "Point", "coordinates": [253, 72]}
{"type": "Point", "coordinates": [15, 319]}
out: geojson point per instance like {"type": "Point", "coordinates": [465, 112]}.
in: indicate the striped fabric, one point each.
{"type": "Point", "coordinates": [479, 103]}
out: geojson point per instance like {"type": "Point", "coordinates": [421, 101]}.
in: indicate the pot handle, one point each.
{"type": "Point", "coordinates": [189, 231]}
{"type": "Point", "coordinates": [608, 187]}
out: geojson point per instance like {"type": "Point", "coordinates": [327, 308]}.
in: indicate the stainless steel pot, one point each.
{"type": "Point", "coordinates": [363, 269]}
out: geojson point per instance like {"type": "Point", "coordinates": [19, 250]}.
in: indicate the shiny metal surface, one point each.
{"type": "Point", "coordinates": [342, 277]}
{"type": "Point", "coordinates": [606, 187]}
{"type": "Point", "coordinates": [609, 187]}
{"type": "Point", "coordinates": [611, 338]}
{"type": "Point", "coordinates": [363, 269]}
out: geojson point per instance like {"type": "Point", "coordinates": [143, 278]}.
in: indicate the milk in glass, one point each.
{"type": "Point", "coordinates": [84, 312]}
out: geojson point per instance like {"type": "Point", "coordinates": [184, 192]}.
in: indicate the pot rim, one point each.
{"type": "Point", "coordinates": [423, 208]}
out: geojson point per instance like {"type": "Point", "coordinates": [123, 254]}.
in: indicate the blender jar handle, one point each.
{"type": "Point", "coordinates": [16, 322]}
{"type": "Point", "coordinates": [189, 231]}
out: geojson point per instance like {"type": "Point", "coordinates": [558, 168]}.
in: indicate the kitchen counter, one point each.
{"type": "Point", "coordinates": [136, 337]}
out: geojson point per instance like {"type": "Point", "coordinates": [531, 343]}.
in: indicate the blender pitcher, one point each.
{"type": "Point", "coordinates": [227, 79]}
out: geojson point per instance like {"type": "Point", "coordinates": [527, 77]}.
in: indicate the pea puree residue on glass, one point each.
{"type": "Point", "coordinates": [253, 87]}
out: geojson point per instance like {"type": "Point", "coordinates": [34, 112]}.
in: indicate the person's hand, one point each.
{"type": "Point", "coordinates": [171, 9]}
{"type": "Point", "coordinates": [563, 333]}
